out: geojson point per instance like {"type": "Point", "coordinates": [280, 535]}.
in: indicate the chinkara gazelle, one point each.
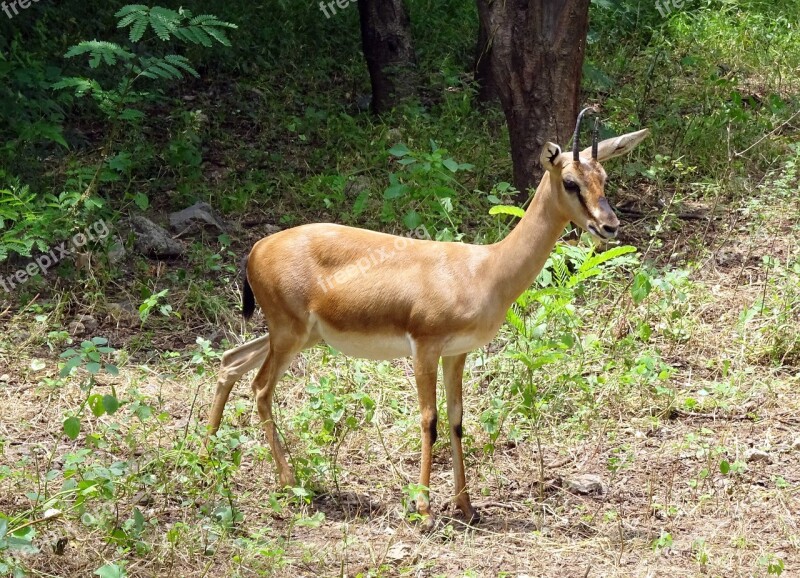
{"type": "Point", "coordinates": [380, 296]}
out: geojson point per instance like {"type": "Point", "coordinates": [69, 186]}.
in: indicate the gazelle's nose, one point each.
{"type": "Point", "coordinates": [611, 230]}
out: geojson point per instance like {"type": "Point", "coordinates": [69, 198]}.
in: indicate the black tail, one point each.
{"type": "Point", "coordinates": [248, 299]}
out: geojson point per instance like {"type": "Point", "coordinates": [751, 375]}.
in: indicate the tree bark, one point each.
{"type": "Point", "coordinates": [386, 40]}
{"type": "Point", "coordinates": [535, 63]}
{"type": "Point", "coordinates": [487, 91]}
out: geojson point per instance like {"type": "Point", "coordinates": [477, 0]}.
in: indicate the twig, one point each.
{"type": "Point", "coordinates": [769, 134]}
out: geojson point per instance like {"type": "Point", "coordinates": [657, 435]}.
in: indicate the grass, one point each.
{"type": "Point", "coordinates": [660, 374]}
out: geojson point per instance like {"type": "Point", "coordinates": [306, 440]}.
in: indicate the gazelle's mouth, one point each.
{"type": "Point", "coordinates": [601, 234]}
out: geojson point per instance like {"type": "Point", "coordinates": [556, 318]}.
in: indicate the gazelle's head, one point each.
{"type": "Point", "coordinates": [578, 179]}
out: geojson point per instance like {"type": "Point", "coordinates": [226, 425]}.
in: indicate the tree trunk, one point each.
{"type": "Point", "coordinates": [386, 39]}
{"type": "Point", "coordinates": [535, 62]}
{"type": "Point", "coordinates": [487, 91]}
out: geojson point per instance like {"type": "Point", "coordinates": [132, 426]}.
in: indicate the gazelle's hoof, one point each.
{"type": "Point", "coordinates": [472, 518]}
{"type": "Point", "coordinates": [427, 523]}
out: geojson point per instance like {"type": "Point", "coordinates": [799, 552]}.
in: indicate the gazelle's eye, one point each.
{"type": "Point", "coordinates": [572, 186]}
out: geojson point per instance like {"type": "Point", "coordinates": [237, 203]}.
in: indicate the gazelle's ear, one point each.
{"type": "Point", "coordinates": [616, 146]}
{"type": "Point", "coordinates": [550, 156]}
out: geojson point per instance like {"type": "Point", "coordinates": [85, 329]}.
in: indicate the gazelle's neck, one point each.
{"type": "Point", "coordinates": [521, 255]}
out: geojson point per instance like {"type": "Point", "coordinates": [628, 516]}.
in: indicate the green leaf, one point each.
{"type": "Point", "coordinates": [141, 201]}
{"type": "Point", "coordinates": [110, 403]}
{"type": "Point", "coordinates": [93, 367]}
{"type": "Point", "coordinates": [38, 365]}
{"type": "Point", "coordinates": [111, 571]}
{"type": "Point", "coordinates": [139, 28]}
{"type": "Point", "coordinates": [138, 520]}
{"type": "Point", "coordinates": [412, 220]}
{"type": "Point", "coordinates": [724, 467]}
{"type": "Point", "coordinates": [601, 258]}
{"type": "Point", "coordinates": [130, 8]}
{"type": "Point", "coordinates": [399, 150]}
{"type": "Point", "coordinates": [95, 402]}
{"type": "Point", "coordinates": [452, 165]}
{"type": "Point", "coordinates": [70, 365]}
{"type": "Point", "coordinates": [361, 202]}
{"type": "Point", "coordinates": [72, 427]}
{"type": "Point", "coordinates": [507, 210]}
{"type": "Point", "coordinates": [641, 287]}
{"type": "Point", "coordinates": [181, 62]}
{"type": "Point", "coordinates": [395, 190]}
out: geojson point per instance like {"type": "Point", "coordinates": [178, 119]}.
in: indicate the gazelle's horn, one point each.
{"type": "Point", "coordinates": [595, 134]}
{"type": "Point", "coordinates": [575, 147]}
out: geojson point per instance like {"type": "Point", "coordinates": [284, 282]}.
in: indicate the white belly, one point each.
{"type": "Point", "coordinates": [367, 346]}
{"type": "Point", "coordinates": [386, 346]}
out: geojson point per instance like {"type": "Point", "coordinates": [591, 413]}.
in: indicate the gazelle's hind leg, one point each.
{"type": "Point", "coordinates": [282, 351]}
{"type": "Point", "coordinates": [235, 363]}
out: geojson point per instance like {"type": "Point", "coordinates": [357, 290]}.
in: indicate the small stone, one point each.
{"type": "Point", "coordinates": [795, 443]}
{"type": "Point", "coordinates": [586, 484]}
{"type": "Point", "coordinates": [358, 185]}
{"type": "Point", "coordinates": [398, 551]}
{"type": "Point", "coordinates": [199, 214]}
{"type": "Point", "coordinates": [76, 329]}
{"type": "Point", "coordinates": [154, 241]}
{"type": "Point", "coordinates": [5, 378]}
{"type": "Point", "coordinates": [116, 253]}
{"type": "Point", "coordinates": [89, 322]}
{"type": "Point", "coordinates": [123, 314]}
{"type": "Point", "coordinates": [754, 455]}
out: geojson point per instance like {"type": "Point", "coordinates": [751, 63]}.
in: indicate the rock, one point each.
{"type": "Point", "coordinates": [363, 102]}
{"type": "Point", "coordinates": [357, 186]}
{"type": "Point", "coordinates": [152, 240]}
{"type": "Point", "coordinates": [76, 329]}
{"type": "Point", "coordinates": [394, 136]}
{"type": "Point", "coordinates": [5, 378]}
{"type": "Point", "coordinates": [116, 252]}
{"type": "Point", "coordinates": [586, 484]}
{"type": "Point", "coordinates": [123, 314]}
{"type": "Point", "coordinates": [199, 214]}
{"type": "Point", "coordinates": [89, 322]}
{"type": "Point", "coordinates": [727, 258]}
{"type": "Point", "coordinates": [754, 455]}
{"type": "Point", "coordinates": [796, 444]}
{"type": "Point", "coordinates": [398, 551]}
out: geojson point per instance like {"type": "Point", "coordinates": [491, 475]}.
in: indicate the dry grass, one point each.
{"type": "Point", "coordinates": [658, 457]}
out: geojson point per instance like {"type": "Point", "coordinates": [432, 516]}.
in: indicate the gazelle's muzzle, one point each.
{"type": "Point", "coordinates": [605, 224]}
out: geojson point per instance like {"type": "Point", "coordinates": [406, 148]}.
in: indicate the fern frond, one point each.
{"type": "Point", "coordinates": [82, 86]}
{"type": "Point", "coordinates": [515, 321]}
{"type": "Point", "coordinates": [195, 35]}
{"type": "Point", "coordinates": [138, 29]}
{"type": "Point", "coordinates": [99, 51]}
{"type": "Point", "coordinates": [601, 258]}
{"type": "Point", "coordinates": [181, 62]}
{"type": "Point", "coordinates": [125, 10]}
{"type": "Point", "coordinates": [217, 34]}
{"type": "Point", "coordinates": [164, 21]}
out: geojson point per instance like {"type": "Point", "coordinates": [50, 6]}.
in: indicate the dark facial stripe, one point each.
{"type": "Point", "coordinates": [584, 205]}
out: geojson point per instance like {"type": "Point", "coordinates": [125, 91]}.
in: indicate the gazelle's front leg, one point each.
{"type": "Point", "coordinates": [453, 376]}
{"type": "Point", "coordinates": [426, 368]}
